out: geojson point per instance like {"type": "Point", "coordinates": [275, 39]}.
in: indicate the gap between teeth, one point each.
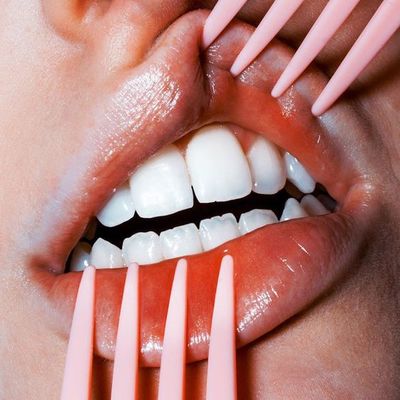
{"type": "Point", "coordinates": [218, 169]}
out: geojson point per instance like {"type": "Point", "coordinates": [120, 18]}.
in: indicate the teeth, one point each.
{"type": "Point", "coordinates": [181, 241]}
{"type": "Point", "coordinates": [119, 208]}
{"type": "Point", "coordinates": [142, 248]}
{"type": "Point", "coordinates": [105, 255]}
{"type": "Point", "coordinates": [313, 206]}
{"type": "Point", "coordinates": [292, 210]}
{"type": "Point", "coordinates": [218, 230]}
{"type": "Point", "coordinates": [298, 175]}
{"type": "Point", "coordinates": [80, 257]}
{"type": "Point", "coordinates": [255, 219]}
{"type": "Point", "coordinates": [161, 186]}
{"type": "Point", "coordinates": [217, 165]}
{"type": "Point", "coordinates": [267, 167]}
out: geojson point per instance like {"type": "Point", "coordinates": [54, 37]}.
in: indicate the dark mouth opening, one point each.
{"type": "Point", "coordinates": [200, 211]}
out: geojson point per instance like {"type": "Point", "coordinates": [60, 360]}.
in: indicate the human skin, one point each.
{"type": "Point", "coordinates": [57, 58]}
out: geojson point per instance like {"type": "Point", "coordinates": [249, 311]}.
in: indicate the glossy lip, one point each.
{"type": "Point", "coordinates": [284, 267]}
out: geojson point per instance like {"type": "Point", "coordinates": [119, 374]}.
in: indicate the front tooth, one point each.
{"type": "Point", "coordinates": [313, 206]}
{"type": "Point", "coordinates": [218, 230]}
{"type": "Point", "coordinates": [293, 210]}
{"type": "Point", "coordinates": [217, 165]}
{"type": "Point", "coordinates": [161, 186]}
{"type": "Point", "coordinates": [142, 248]}
{"type": "Point", "coordinates": [105, 255]}
{"type": "Point", "coordinates": [181, 241]}
{"type": "Point", "coordinates": [267, 167]}
{"type": "Point", "coordinates": [298, 175]}
{"type": "Point", "coordinates": [80, 257]}
{"type": "Point", "coordinates": [119, 208]}
{"type": "Point", "coordinates": [255, 219]}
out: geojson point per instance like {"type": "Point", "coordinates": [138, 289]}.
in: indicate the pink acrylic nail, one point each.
{"type": "Point", "coordinates": [277, 16]}
{"type": "Point", "coordinates": [330, 20]}
{"type": "Point", "coordinates": [173, 360]}
{"type": "Point", "coordinates": [78, 366]}
{"type": "Point", "coordinates": [126, 362]}
{"type": "Point", "coordinates": [382, 26]}
{"type": "Point", "coordinates": [219, 18]}
{"type": "Point", "coordinates": [221, 374]}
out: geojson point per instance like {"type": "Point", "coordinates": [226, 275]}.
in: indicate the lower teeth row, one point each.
{"type": "Point", "coordinates": [149, 248]}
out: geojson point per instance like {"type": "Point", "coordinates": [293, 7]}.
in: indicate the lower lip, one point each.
{"type": "Point", "coordinates": [279, 270]}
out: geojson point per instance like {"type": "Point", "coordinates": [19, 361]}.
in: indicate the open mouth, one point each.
{"type": "Point", "coordinates": [204, 165]}
{"type": "Point", "coordinates": [239, 183]}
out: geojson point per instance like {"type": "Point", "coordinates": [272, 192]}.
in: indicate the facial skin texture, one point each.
{"type": "Point", "coordinates": [58, 58]}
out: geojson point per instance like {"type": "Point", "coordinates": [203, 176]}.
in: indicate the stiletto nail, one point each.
{"type": "Point", "coordinates": [277, 16]}
{"type": "Point", "coordinates": [382, 26]}
{"type": "Point", "coordinates": [173, 359]}
{"type": "Point", "coordinates": [220, 17]}
{"type": "Point", "coordinates": [221, 374]}
{"type": "Point", "coordinates": [330, 20]}
{"type": "Point", "coordinates": [126, 361]}
{"type": "Point", "coordinates": [78, 366]}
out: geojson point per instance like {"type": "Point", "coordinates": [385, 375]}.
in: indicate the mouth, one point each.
{"type": "Point", "coordinates": [211, 187]}
{"type": "Point", "coordinates": [188, 161]}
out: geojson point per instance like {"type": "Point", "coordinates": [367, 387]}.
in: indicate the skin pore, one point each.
{"type": "Point", "coordinates": [58, 58]}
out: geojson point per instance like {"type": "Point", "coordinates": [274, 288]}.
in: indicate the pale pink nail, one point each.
{"type": "Point", "coordinates": [276, 17]}
{"type": "Point", "coordinates": [221, 374]}
{"type": "Point", "coordinates": [331, 18]}
{"type": "Point", "coordinates": [173, 359]}
{"type": "Point", "coordinates": [220, 17]}
{"type": "Point", "coordinates": [78, 365]}
{"type": "Point", "coordinates": [126, 361]}
{"type": "Point", "coordinates": [382, 26]}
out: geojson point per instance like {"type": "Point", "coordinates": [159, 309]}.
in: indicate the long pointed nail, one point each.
{"type": "Point", "coordinates": [126, 360]}
{"type": "Point", "coordinates": [220, 17]}
{"type": "Point", "coordinates": [78, 366]}
{"type": "Point", "coordinates": [221, 374]}
{"type": "Point", "coordinates": [173, 360]}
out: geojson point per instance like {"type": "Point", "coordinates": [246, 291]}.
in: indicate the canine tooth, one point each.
{"type": "Point", "coordinates": [161, 186]}
{"type": "Point", "coordinates": [266, 166]}
{"type": "Point", "coordinates": [255, 219]}
{"type": "Point", "coordinates": [80, 257]}
{"type": "Point", "coordinates": [313, 206]}
{"type": "Point", "coordinates": [105, 255]}
{"type": "Point", "coordinates": [217, 165]}
{"type": "Point", "coordinates": [218, 230]}
{"type": "Point", "coordinates": [293, 210]}
{"type": "Point", "coordinates": [181, 241]}
{"type": "Point", "coordinates": [298, 175]}
{"type": "Point", "coordinates": [119, 208]}
{"type": "Point", "coordinates": [142, 248]}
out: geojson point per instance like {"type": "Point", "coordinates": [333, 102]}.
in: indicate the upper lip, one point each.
{"type": "Point", "coordinates": [284, 267]}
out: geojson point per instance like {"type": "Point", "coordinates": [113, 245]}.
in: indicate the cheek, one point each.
{"type": "Point", "coordinates": [39, 75]}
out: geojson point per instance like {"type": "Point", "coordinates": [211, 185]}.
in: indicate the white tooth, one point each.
{"type": "Point", "coordinates": [292, 210]}
{"type": "Point", "coordinates": [298, 175]}
{"type": "Point", "coordinates": [218, 230]}
{"type": "Point", "coordinates": [80, 257]}
{"type": "Point", "coordinates": [267, 167]}
{"type": "Point", "coordinates": [181, 241]}
{"type": "Point", "coordinates": [313, 206]}
{"type": "Point", "coordinates": [161, 186]}
{"type": "Point", "coordinates": [119, 208]}
{"type": "Point", "coordinates": [255, 219]}
{"type": "Point", "coordinates": [217, 165]}
{"type": "Point", "coordinates": [105, 255]}
{"type": "Point", "coordinates": [142, 248]}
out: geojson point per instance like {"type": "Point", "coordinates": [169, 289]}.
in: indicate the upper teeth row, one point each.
{"type": "Point", "coordinates": [217, 168]}
{"type": "Point", "coordinates": [148, 247]}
